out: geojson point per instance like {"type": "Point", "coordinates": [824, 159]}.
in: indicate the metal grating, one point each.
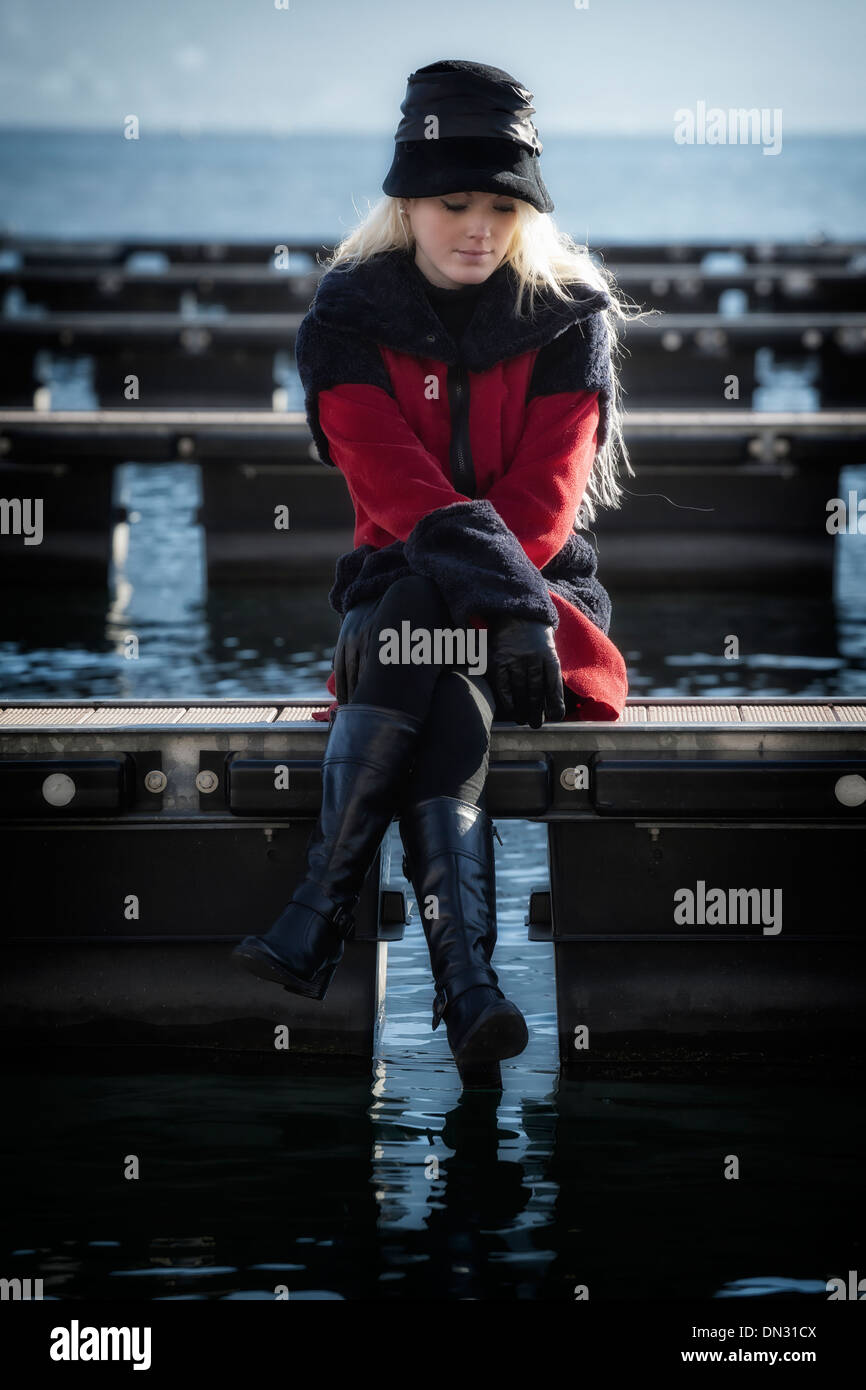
{"type": "Point", "coordinates": [789, 714]}
{"type": "Point", "coordinates": [143, 714]}
{"type": "Point", "coordinates": [35, 716]}
{"type": "Point", "coordinates": [646, 714]}
{"type": "Point", "coordinates": [632, 714]}
{"type": "Point", "coordinates": [694, 714]}
{"type": "Point", "coordinates": [300, 714]}
{"type": "Point", "coordinates": [230, 714]}
{"type": "Point", "coordinates": [850, 714]}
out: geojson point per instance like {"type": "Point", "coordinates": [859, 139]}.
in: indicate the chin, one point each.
{"type": "Point", "coordinates": [462, 265]}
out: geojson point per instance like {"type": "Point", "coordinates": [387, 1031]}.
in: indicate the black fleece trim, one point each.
{"type": "Point", "coordinates": [577, 360]}
{"type": "Point", "coordinates": [327, 357]}
{"type": "Point", "coordinates": [572, 575]}
{"type": "Point", "coordinates": [478, 564]}
{"type": "Point", "coordinates": [384, 299]}
{"type": "Point", "coordinates": [366, 573]}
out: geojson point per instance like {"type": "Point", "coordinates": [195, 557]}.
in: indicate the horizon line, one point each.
{"type": "Point", "coordinates": [193, 132]}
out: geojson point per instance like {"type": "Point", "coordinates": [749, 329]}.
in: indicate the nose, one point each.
{"type": "Point", "coordinates": [480, 225]}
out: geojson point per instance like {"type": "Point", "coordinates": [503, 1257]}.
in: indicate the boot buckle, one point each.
{"type": "Point", "coordinates": [460, 983]}
{"type": "Point", "coordinates": [339, 914]}
{"type": "Point", "coordinates": [440, 1004]}
{"type": "Point", "coordinates": [342, 919]}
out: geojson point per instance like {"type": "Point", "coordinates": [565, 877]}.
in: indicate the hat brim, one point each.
{"type": "Point", "coordinates": [425, 168]}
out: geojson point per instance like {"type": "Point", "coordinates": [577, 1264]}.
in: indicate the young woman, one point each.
{"type": "Point", "coordinates": [457, 368]}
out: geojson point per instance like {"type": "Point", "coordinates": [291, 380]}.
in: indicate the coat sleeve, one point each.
{"type": "Point", "coordinates": [359, 428]}
{"type": "Point", "coordinates": [566, 421]}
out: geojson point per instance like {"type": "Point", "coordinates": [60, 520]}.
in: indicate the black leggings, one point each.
{"type": "Point", "coordinates": [457, 705]}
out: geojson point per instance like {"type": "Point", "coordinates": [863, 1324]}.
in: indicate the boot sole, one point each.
{"type": "Point", "coordinates": [248, 956]}
{"type": "Point", "coordinates": [497, 1033]}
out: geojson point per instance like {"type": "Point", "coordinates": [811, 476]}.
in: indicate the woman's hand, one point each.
{"type": "Point", "coordinates": [350, 652]}
{"type": "Point", "coordinates": [525, 671]}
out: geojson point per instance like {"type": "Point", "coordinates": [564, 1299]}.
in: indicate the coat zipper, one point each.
{"type": "Point", "coordinates": [462, 467]}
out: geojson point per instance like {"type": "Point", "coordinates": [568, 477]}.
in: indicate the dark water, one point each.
{"type": "Point", "coordinates": [337, 1188]}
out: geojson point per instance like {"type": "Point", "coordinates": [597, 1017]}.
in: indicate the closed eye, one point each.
{"type": "Point", "coordinates": [458, 207]}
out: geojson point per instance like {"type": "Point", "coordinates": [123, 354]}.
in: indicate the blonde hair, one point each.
{"type": "Point", "coordinates": [540, 255]}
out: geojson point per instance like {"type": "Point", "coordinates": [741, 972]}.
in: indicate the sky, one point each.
{"type": "Point", "coordinates": [281, 66]}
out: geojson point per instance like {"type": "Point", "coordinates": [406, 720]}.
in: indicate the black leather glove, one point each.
{"type": "Point", "coordinates": [525, 671]}
{"type": "Point", "coordinates": [350, 652]}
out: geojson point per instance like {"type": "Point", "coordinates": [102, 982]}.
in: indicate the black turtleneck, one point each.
{"type": "Point", "coordinates": [453, 308]}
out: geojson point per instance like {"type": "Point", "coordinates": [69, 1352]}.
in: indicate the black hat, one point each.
{"type": "Point", "coordinates": [466, 127]}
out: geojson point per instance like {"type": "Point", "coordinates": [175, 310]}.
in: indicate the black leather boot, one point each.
{"type": "Point", "coordinates": [364, 769]}
{"type": "Point", "coordinates": [449, 854]}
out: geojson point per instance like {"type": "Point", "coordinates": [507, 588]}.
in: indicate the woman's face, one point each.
{"type": "Point", "coordinates": [449, 227]}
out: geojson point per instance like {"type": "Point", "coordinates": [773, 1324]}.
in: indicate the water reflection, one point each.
{"type": "Point", "coordinates": [262, 1188]}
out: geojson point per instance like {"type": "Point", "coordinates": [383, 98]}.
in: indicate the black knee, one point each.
{"type": "Point", "coordinates": [417, 598]}
{"type": "Point", "coordinates": [399, 685]}
{"type": "Point", "coordinates": [452, 758]}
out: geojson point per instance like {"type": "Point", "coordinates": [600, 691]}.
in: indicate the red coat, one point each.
{"type": "Point", "coordinates": [381, 377]}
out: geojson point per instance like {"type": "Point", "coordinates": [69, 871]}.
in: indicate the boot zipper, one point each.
{"type": "Point", "coordinates": [462, 467]}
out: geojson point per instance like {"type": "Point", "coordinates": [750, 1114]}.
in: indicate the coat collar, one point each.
{"type": "Point", "coordinates": [383, 298]}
